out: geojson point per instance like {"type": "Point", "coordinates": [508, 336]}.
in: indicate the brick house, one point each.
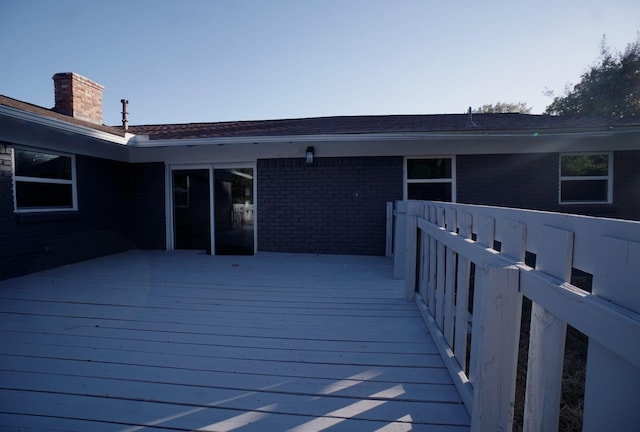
{"type": "Point", "coordinates": [73, 189]}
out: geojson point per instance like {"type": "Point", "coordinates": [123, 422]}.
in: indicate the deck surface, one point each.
{"type": "Point", "coordinates": [156, 341]}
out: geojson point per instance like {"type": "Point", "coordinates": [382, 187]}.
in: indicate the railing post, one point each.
{"type": "Point", "coordinates": [399, 240]}
{"type": "Point", "coordinates": [495, 347]}
{"type": "Point", "coordinates": [414, 208]}
{"type": "Point", "coordinates": [612, 389]}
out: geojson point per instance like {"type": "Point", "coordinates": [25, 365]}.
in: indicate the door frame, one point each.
{"type": "Point", "coordinates": [211, 167]}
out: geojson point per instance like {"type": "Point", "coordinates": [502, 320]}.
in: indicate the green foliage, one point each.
{"type": "Point", "coordinates": [504, 107]}
{"type": "Point", "coordinates": [584, 165]}
{"type": "Point", "coordinates": [609, 88]}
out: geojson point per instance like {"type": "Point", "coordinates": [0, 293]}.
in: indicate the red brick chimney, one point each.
{"type": "Point", "coordinates": [78, 97]}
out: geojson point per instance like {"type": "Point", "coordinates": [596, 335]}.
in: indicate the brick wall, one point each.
{"type": "Point", "coordinates": [103, 224]}
{"type": "Point", "coordinates": [78, 97]}
{"type": "Point", "coordinates": [147, 218]}
{"type": "Point", "coordinates": [509, 180]}
{"type": "Point", "coordinates": [335, 206]}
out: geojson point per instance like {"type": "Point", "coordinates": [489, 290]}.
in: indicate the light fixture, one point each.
{"type": "Point", "coordinates": [309, 155]}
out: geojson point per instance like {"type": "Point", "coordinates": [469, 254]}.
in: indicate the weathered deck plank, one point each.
{"type": "Point", "coordinates": [181, 341]}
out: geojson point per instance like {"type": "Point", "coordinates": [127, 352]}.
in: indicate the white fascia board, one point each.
{"type": "Point", "coordinates": [63, 126]}
{"type": "Point", "coordinates": [143, 141]}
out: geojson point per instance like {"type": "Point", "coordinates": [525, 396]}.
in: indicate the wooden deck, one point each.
{"type": "Point", "coordinates": [154, 341]}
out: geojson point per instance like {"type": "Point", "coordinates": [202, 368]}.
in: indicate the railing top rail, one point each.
{"type": "Point", "coordinates": [588, 231]}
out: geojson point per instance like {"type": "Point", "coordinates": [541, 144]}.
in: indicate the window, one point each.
{"type": "Point", "coordinates": [585, 178]}
{"type": "Point", "coordinates": [43, 181]}
{"type": "Point", "coordinates": [430, 179]}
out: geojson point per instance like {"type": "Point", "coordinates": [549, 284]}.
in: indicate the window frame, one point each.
{"type": "Point", "coordinates": [608, 178]}
{"type": "Point", "coordinates": [44, 180]}
{"type": "Point", "coordinates": [451, 180]}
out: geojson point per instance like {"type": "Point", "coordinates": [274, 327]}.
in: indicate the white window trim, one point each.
{"type": "Point", "coordinates": [17, 178]}
{"type": "Point", "coordinates": [608, 177]}
{"type": "Point", "coordinates": [452, 180]}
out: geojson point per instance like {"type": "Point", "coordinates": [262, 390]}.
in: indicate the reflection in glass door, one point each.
{"type": "Point", "coordinates": [234, 211]}
{"type": "Point", "coordinates": [191, 209]}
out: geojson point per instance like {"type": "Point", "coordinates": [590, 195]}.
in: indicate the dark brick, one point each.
{"type": "Point", "coordinates": [120, 206]}
{"type": "Point", "coordinates": [531, 181]}
{"type": "Point", "coordinates": [335, 206]}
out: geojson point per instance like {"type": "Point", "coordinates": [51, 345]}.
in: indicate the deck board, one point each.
{"type": "Point", "coordinates": [184, 341]}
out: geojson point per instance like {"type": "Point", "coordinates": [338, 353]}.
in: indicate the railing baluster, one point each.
{"type": "Point", "coordinates": [547, 338]}
{"type": "Point", "coordinates": [431, 281]}
{"type": "Point", "coordinates": [485, 232]}
{"type": "Point", "coordinates": [450, 281]}
{"type": "Point", "coordinates": [424, 255]}
{"type": "Point", "coordinates": [440, 272]}
{"type": "Point", "coordinates": [462, 295]}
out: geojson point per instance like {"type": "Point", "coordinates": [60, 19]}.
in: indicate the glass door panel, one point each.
{"type": "Point", "coordinates": [191, 209]}
{"type": "Point", "coordinates": [234, 211]}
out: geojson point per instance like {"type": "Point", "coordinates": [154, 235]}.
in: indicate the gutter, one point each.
{"type": "Point", "coordinates": [143, 141]}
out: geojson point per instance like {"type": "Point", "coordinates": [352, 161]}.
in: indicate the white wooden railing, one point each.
{"type": "Point", "coordinates": [435, 245]}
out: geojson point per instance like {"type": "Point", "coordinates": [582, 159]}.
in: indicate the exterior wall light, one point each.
{"type": "Point", "coordinates": [309, 155]}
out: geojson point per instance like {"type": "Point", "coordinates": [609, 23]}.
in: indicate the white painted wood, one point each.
{"type": "Point", "coordinates": [465, 221]}
{"type": "Point", "coordinates": [460, 379]}
{"type": "Point", "coordinates": [400, 240]}
{"type": "Point", "coordinates": [414, 209]}
{"type": "Point", "coordinates": [555, 300]}
{"type": "Point", "coordinates": [496, 328]}
{"type": "Point", "coordinates": [589, 314]}
{"type": "Point", "coordinates": [613, 383]}
{"type": "Point", "coordinates": [588, 230]}
{"type": "Point", "coordinates": [547, 338]}
{"type": "Point", "coordinates": [440, 270]}
{"type": "Point", "coordinates": [424, 255]}
{"type": "Point", "coordinates": [484, 227]}
{"type": "Point", "coordinates": [450, 280]}
{"type": "Point", "coordinates": [433, 259]}
{"type": "Point", "coordinates": [188, 341]}
{"type": "Point", "coordinates": [514, 240]}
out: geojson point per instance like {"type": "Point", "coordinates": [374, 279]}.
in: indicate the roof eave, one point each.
{"type": "Point", "coordinates": [143, 141]}
{"type": "Point", "coordinates": [63, 126]}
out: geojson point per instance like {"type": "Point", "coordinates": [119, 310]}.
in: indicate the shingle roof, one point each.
{"type": "Point", "coordinates": [375, 124]}
{"type": "Point", "coordinates": [35, 109]}
{"type": "Point", "coordinates": [371, 124]}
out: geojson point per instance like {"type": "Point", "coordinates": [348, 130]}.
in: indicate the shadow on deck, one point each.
{"type": "Point", "coordinates": [155, 341]}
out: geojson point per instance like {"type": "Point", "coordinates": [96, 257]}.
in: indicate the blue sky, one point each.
{"type": "Point", "coordinates": [199, 61]}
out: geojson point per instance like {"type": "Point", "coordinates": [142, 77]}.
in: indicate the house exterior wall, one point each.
{"type": "Point", "coordinates": [103, 224]}
{"type": "Point", "coordinates": [146, 207]}
{"type": "Point", "coordinates": [508, 180]}
{"type": "Point", "coordinates": [335, 206]}
{"type": "Point", "coordinates": [531, 181]}
{"type": "Point", "coordinates": [626, 185]}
